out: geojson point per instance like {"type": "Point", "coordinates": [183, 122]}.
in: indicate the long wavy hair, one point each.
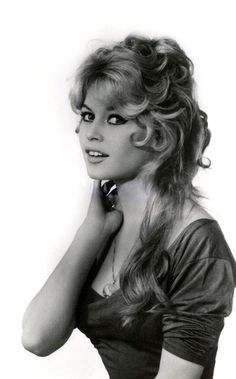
{"type": "Point", "coordinates": [151, 81]}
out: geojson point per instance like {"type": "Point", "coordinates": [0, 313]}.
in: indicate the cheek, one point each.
{"type": "Point", "coordinates": [130, 155]}
{"type": "Point", "coordinates": [81, 137]}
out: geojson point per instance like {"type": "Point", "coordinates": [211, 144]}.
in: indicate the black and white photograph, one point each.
{"type": "Point", "coordinates": [118, 189]}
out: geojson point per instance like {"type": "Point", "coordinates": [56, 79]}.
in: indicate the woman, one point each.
{"type": "Point", "coordinates": [149, 276]}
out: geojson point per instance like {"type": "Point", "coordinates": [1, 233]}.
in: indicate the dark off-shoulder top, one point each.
{"type": "Point", "coordinates": [201, 281]}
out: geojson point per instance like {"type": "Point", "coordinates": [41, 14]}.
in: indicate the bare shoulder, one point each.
{"type": "Point", "coordinates": [195, 212]}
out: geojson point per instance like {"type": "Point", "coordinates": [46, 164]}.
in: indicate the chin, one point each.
{"type": "Point", "coordinates": [115, 179]}
{"type": "Point", "coordinates": [98, 176]}
{"type": "Point", "coordinates": [112, 175]}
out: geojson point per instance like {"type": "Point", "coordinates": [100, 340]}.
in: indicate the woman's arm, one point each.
{"type": "Point", "coordinates": [50, 317]}
{"type": "Point", "coordinates": [200, 292]}
{"type": "Point", "coordinates": [173, 367]}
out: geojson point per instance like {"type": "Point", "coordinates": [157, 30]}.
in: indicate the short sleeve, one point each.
{"type": "Point", "coordinates": [201, 295]}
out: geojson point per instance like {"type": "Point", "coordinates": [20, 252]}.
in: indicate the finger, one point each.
{"type": "Point", "coordinates": [96, 186]}
{"type": "Point", "coordinates": [96, 183]}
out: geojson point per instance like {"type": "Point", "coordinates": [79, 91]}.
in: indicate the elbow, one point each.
{"type": "Point", "coordinates": [44, 342]}
{"type": "Point", "coordinates": [35, 344]}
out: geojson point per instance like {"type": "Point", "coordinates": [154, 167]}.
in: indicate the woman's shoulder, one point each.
{"type": "Point", "coordinates": [202, 248]}
{"type": "Point", "coordinates": [201, 237]}
{"type": "Point", "coordinates": [203, 233]}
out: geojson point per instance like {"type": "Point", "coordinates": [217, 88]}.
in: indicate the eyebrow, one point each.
{"type": "Point", "coordinates": [86, 106]}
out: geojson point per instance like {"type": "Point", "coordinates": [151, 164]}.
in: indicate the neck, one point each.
{"type": "Point", "coordinates": [132, 201]}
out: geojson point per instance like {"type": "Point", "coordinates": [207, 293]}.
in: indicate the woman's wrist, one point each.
{"type": "Point", "coordinates": [95, 230]}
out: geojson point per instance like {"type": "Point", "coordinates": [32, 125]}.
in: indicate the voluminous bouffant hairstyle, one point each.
{"type": "Point", "coordinates": [151, 81]}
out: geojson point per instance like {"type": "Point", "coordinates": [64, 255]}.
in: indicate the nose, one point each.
{"type": "Point", "coordinates": [94, 131]}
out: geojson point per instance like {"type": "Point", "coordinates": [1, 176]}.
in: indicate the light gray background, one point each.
{"type": "Point", "coordinates": [45, 189]}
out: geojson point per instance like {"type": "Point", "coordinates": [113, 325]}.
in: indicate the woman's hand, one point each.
{"type": "Point", "coordinates": [100, 215]}
{"type": "Point", "coordinates": [51, 316]}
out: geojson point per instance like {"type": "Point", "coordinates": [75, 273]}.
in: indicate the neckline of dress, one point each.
{"type": "Point", "coordinates": [189, 226]}
{"type": "Point", "coordinates": [180, 235]}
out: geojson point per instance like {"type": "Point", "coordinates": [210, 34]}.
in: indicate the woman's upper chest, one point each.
{"type": "Point", "coordinates": [127, 240]}
{"type": "Point", "coordinates": [114, 256]}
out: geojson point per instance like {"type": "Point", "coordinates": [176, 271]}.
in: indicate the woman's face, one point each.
{"type": "Point", "coordinates": [103, 130]}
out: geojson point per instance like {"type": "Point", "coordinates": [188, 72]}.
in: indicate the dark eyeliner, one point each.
{"type": "Point", "coordinates": [83, 114]}
{"type": "Point", "coordinates": [120, 118]}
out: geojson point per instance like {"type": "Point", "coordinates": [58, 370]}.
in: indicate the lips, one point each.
{"type": "Point", "coordinates": [96, 151]}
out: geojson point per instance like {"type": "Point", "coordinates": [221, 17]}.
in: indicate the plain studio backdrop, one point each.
{"type": "Point", "coordinates": [44, 186]}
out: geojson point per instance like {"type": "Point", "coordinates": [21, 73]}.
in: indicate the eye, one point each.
{"type": "Point", "coordinates": [115, 119]}
{"type": "Point", "coordinates": [87, 116]}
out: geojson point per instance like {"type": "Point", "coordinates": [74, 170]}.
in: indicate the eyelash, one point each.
{"type": "Point", "coordinates": [121, 119]}
{"type": "Point", "coordinates": [83, 114]}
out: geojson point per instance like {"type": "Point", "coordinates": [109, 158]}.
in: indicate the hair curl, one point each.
{"type": "Point", "coordinates": [151, 81]}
